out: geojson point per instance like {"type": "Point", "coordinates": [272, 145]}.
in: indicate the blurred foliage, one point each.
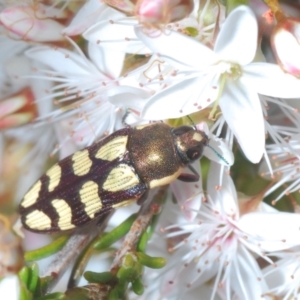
{"type": "Point", "coordinates": [33, 287]}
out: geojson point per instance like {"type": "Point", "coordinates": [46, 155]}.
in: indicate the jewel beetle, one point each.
{"type": "Point", "coordinates": [111, 173]}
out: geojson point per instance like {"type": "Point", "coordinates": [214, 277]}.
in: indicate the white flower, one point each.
{"type": "Point", "coordinates": [114, 36]}
{"type": "Point", "coordinates": [114, 32]}
{"type": "Point", "coordinates": [226, 75]}
{"type": "Point", "coordinates": [86, 16]}
{"type": "Point", "coordinates": [284, 154]}
{"type": "Point", "coordinates": [85, 83]}
{"type": "Point", "coordinates": [284, 279]}
{"type": "Point", "coordinates": [221, 245]}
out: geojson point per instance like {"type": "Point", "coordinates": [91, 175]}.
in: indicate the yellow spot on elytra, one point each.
{"type": "Point", "coordinates": [197, 137]}
{"type": "Point", "coordinates": [120, 178]}
{"type": "Point", "coordinates": [54, 175]}
{"type": "Point", "coordinates": [38, 220]}
{"type": "Point", "coordinates": [89, 196]}
{"type": "Point", "coordinates": [81, 162]}
{"type": "Point", "coordinates": [113, 149]}
{"type": "Point", "coordinates": [64, 211]}
{"type": "Point", "coordinates": [32, 195]}
{"type": "Point", "coordinates": [165, 180]}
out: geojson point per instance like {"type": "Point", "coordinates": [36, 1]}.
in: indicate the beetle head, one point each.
{"type": "Point", "coordinates": [189, 143]}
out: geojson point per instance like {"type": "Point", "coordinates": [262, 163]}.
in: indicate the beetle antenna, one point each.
{"type": "Point", "coordinates": [218, 154]}
{"type": "Point", "coordinates": [188, 116]}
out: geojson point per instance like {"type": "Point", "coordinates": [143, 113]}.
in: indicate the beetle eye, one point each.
{"type": "Point", "coordinates": [193, 153]}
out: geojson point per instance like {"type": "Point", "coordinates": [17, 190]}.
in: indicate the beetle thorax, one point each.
{"type": "Point", "coordinates": [190, 145]}
{"type": "Point", "coordinates": [154, 155]}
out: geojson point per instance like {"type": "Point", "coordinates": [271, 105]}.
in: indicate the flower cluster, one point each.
{"type": "Point", "coordinates": [74, 72]}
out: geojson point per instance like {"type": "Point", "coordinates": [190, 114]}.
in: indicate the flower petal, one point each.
{"type": "Point", "coordinates": [168, 43]}
{"type": "Point", "coordinates": [242, 111]}
{"type": "Point", "coordinates": [275, 231]}
{"type": "Point", "coordinates": [108, 61]}
{"type": "Point", "coordinates": [118, 32]}
{"type": "Point", "coordinates": [237, 40]}
{"type": "Point", "coordinates": [180, 99]}
{"type": "Point", "coordinates": [282, 278]}
{"type": "Point", "coordinates": [245, 266]}
{"type": "Point", "coordinates": [63, 61]}
{"type": "Point", "coordinates": [31, 25]}
{"type": "Point", "coordinates": [10, 48]}
{"type": "Point", "coordinates": [129, 97]}
{"type": "Point", "coordinates": [219, 151]}
{"type": "Point", "coordinates": [87, 16]}
{"type": "Point", "coordinates": [285, 44]}
{"type": "Point", "coordinates": [269, 79]}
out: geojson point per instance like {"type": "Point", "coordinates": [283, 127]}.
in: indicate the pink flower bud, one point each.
{"type": "Point", "coordinates": [285, 41]}
{"type": "Point", "coordinates": [31, 23]}
{"type": "Point", "coordinates": [163, 11]}
{"type": "Point", "coordinates": [17, 110]}
{"type": "Point", "coordinates": [155, 12]}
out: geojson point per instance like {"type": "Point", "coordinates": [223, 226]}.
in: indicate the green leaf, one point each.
{"type": "Point", "coordinates": [24, 275]}
{"type": "Point", "coordinates": [126, 274]}
{"type": "Point", "coordinates": [121, 288]}
{"type": "Point", "coordinates": [24, 293]}
{"type": "Point", "coordinates": [129, 260]}
{"type": "Point", "coordinates": [33, 277]}
{"type": "Point", "coordinates": [146, 235]}
{"type": "Point", "coordinates": [104, 277]}
{"type": "Point", "coordinates": [109, 238]}
{"type": "Point", "coordinates": [47, 250]}
{"type": "Point", "coordinates": [138, 286]}
{"type": "Point", "coordinates": [151, 262]}
{"type": "Point", "coordinates": [113, 295]}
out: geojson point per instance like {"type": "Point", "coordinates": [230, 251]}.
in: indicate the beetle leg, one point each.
{"type": "Point", "coordinates": [143, 198]}
{"type": "Point", "coordinates": [189, 177]}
